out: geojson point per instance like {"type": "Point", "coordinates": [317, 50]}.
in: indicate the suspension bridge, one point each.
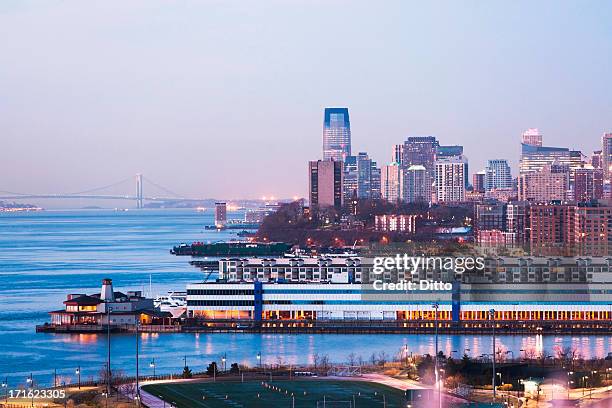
{"type": "Point", "coordinates": [95, 193]}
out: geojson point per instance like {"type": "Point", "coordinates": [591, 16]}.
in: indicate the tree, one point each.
{"type": "Point", "coordinates": [212, 369]}
{"type": "Point", "coordinates": [234, 369]}
{"type": "Point", "coordinates": [187, 372]}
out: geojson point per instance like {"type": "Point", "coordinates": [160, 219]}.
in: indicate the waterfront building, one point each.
{"type": "Point", "coordinates": [551, 183]}
{"type": "Point", "coordinates": [405, 223]}
{"type": "Point", "coordinates": [478, 181]}
{"type": "Point", "coordinates": [421, 151]}
{"type": "Point", "coordinates": [532, 137]}
{"type": "Point", "coordinates": [336, 134]}
{"type": "Point", "coordinates": [606, 155]}
{"type": "Point", "coordinates": [417, 188]}
{"type": "Point", "coordinates": [535, 158]}
{"type": "Point", "coordinates": [95, 310]}
{"type": "Point", "coordinates": [220, 215]}
{"type": "Point", "coordinates": [320, 289]}
{"type": "Point", "coordinates": [392, 182]}
{"type": "Point", "coordinates": [588, 184]}
{"type": "Point", "coordinates": [450, 179]}
{"type": "Point", "coordinates": [325, 183]}
{"type": "Point", "coordinates": [497, 175]}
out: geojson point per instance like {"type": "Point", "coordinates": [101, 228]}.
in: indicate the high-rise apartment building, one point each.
{"type": "Point", "coordinates": [606, 155]}
{"type": "Point", "coordinates": [497, 175]}
{"type": "Point", "coordinates": [517, 221]}
{"type": "Point", "coordinates": [450, 179]}
{"type": "Point", "coordinates": [478, 181]}
{"type": "Point", "coordinates": [490, 216]}
{"type": "Point", "coordinates": [416, 185]}
{"type": "Point", "coordinates": [454, 151]}
{"type": "Point", "coordinates": [549, 184]}
{"type": "Point", "coordinates": [596, 158]}
{"type": "Point", "coordinates": [588, 184]}
{"type": "Point", "coordinates": [392, 182]}
{"type": "Point", "coordinates": [336, 134]}
{"type": "Point", "coordinates": [532, 137]}
{"type": "Point", "coordinates": [220, 215]}
{"type": "Point", "coordinates": [325, 183]}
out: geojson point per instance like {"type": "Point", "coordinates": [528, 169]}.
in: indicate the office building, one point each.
{"type": "Point", "coordinates": [596, 158]}
{"type": "Point", "coordinates": [397, 154]}
{"type": "Point", "coordinates": [421, 151]}
{"type": "Point", "coordinates": [549, 184]}
{"type": "Point", "coordinates": [534, 158]}
{"type": "Point", "coordinates": [361, 177]}
{"type": "Point", "coordinates": [336, 134]}
{"type": "Point", "coordinates": [450, 179]}
{"type": "Point", "coordinates": [392, 182]}
{"type": "Point", "coordinates": [325, 183]}
{"type": "Point", "coordinates": [497, 175]}
{"type": "Point", "coordinates": [532, 137]}
{"type": "Point", "coordinates": [454, 151]}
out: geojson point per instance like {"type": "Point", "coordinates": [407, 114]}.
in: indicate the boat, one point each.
{"type": "Point", "coordinates": [232, 248]}
{"type": "Point", "coordinates": [174, 302]}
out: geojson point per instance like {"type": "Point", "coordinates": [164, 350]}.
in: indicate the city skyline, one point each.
{"type": "Point", "coordinates": [243, 87]}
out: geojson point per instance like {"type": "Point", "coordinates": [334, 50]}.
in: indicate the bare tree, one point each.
{"type": "Point", "coordinates": [351, 359]}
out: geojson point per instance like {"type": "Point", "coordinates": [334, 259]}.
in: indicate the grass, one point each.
{"type": "Point", "coordinates": [254, 394]}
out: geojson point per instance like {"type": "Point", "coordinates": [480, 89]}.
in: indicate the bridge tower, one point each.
{"type": "Point", "coordinates": [139, 191]}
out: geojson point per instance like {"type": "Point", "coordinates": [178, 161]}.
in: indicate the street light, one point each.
{"type": "Point", "coordinates": [30, 381]}
{"type": "Point", "coordinates": [492, 315]}
{"type": "Point", "coordinates": [152, 365]}
{"type": "Point", "coordinates": [5, 386]}
{"type": "Point", "coordinates": [436, 306]}
{"type": "Point", "coordinates": [78, 373]}
{"type": "Point", "coordinates": [259, 358]}
{"type": "Point", "coordinates": [223, 360]}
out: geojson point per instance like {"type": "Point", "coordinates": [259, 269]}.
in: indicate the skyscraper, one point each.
{"type": "Point", "coordinates": [450, 179]}
{"type": "Point", "coordinates": [392, 182]}
{"type": "Point", "coordinates": [606, 155]}
{"type": "Point", "coordinates": [325, 183]}
{"type": "Point", "coordinates": [397, 154]}
{"type": "Point", "coordinates": [497, 175]}
{"type": "Point", "coordinates": [421, 151]}
{"type": "Point", "coordinates": [361, 177]}
{"type": "Point", "coordinates": [532, 137]}
{"type": "Point", "coordinates": [417, 186]}
{"type": "Point", "coordinates": [220, 215]}
{"type": "Point", "coordinates": [453, 151]}
{"type": "Point", "coordinates": [336, 134]}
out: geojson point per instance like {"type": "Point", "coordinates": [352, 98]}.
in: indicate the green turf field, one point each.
{"type": "Point", "coordinates": [260, 394]}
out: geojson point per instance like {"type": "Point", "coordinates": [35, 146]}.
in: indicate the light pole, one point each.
{"type": "Point", "coordinates": [30, 381]}
{"type": "Point", "coordinates": [105, 395]}
{"type": "Point", "coordinates": [5, 386]}
{"type": "Point", "coordinates": [152, 365]}
{"type": "Point", "coordinates": [436, 305]}
{"type": "Point", "coordinates": [223, 360]}
{"type": "Point", "coordinates": [259, 359]}
{"type": "Point", "coordinates": [137, 365]}
{"type": "Point", "coordinates": [108, 357]}
{"type": "Point", "coordinates": [492, 315]}
{"type": "Point", "coordinates": [78, 373]}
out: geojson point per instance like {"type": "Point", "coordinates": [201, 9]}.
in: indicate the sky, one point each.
{"type": "Point", "coordinates": [225, 98]}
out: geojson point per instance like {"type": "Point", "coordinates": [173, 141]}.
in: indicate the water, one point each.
{"type": "Point", "coordinates": [44, 256]}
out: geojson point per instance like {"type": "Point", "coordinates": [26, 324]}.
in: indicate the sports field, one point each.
{"type": "Point", "coordinates": [263, 394]}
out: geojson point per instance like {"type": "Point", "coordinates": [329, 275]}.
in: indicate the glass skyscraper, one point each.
{"type": "Point", "coordinates": [336, 134]}
{"type": "Point", "coordinates": [497, 175]}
